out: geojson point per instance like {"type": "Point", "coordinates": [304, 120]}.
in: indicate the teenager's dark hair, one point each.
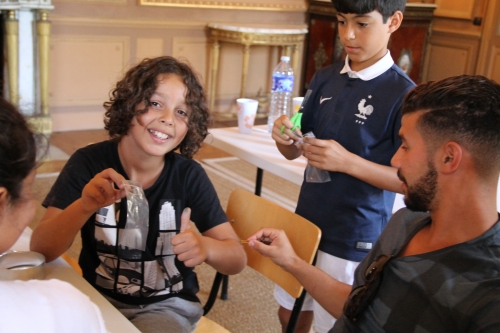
{"type": "Point", "coordinates": [464, 109]}
{"type": "Point", "coordinates": [385, 7]}
{"type": "Point", "coordinates": [18, 149]}
{"type": "Point", "coordinates": [137, 87]}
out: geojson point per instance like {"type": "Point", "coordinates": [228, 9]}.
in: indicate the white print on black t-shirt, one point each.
{"type": "Point", "coordinates": [160, 276]}
{"type": "Point", "coordinates": [167, 222]}
{"type": "Point", "coordinates": [106, 217]}
{"type": "Point", "coordinates": [364, 110]}
{"type": "Point", "coordinates": [321, 99]}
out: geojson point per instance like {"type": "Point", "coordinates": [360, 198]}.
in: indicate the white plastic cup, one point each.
{"type": "Point", "coordinates": [247, 109]}
{"type": "Point", "coordinates": [297, 102]}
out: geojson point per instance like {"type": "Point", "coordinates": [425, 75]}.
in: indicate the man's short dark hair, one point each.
{"type": "Point", "coordinates": [385, 7]}
{"type": "Point", "coordinates": [464, 109]}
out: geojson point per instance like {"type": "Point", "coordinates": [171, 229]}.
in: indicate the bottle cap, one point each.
{"type": "Point", "coordinates": [285, 58]}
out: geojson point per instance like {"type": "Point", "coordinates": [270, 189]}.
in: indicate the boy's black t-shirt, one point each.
{"type": "Point", "coordinates": [121, 272]}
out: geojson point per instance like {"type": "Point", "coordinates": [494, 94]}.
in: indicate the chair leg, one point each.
{"type": "Point", "coordinates": [294, 317]}
{"type": "Point", "coordinates": [258, 181]}
{"type": "Point", "coordinates": [297, 306]}
{"type": "Point", "coordinates": [225, 282]}
{"type": "Point", "coordinates": [213, 293]}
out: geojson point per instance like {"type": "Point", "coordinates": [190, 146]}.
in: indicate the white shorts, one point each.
{"type": "Point", "coordinates": [340, 269]}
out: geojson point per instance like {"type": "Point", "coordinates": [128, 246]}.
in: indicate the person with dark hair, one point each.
{"type": "Point", "coordinates": [31, 306]}
{"type": "Point", "coordinates": [353, 111]}
{"type": "Point", "coordinates": [436, 265]}
{"type": "Point", "coordinates": [157, 108]}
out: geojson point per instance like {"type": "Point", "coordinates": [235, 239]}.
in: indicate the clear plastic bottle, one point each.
{"type": "Point", "coordinates": [281, 92]}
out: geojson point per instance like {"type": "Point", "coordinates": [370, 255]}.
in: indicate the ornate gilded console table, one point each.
{"type": "Point", "coordinates": [289, 37]}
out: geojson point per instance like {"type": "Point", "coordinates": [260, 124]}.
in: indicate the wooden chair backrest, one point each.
{"type": "Point", "coordinates": [249, 213]}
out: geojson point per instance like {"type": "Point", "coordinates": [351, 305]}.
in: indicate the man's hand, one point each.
{"type": "Point", "coordinates": [102, 190]}
{"type": "Point", "coordinates": [280, 251]}
{"type": "Point", "coordinates": [326, 154]}
{"type": "Point", "coordinates": [188, 245]}
{"type": "Point", "coordinates": [288, 137]}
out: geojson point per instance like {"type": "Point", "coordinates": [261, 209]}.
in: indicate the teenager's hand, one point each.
{"type": "Point", "coordinates": [288, 137]}
{"type": "Point", "coordinates": [102, 190]}
{"type": "Point", "coordinates": [280, 251]}
{"type": "Point", "coordinates": [188, 244]}
{"type": "Point", "coordinates": [326, 154]}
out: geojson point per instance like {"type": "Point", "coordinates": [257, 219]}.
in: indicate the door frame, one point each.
{"type": "Point", "coordinates": [490, 39]}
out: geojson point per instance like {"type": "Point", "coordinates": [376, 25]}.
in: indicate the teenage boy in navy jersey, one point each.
{"type": "Point", "coordinates": [354, 112]}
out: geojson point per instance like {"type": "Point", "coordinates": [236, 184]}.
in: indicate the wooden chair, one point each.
{"type": "Point", "coordinates": [208, 326]}
{"type": "Point", "coordinates": [248, 213]}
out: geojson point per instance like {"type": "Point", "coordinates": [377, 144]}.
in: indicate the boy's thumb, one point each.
{"type": "Point", "coordinates": [185, 219]}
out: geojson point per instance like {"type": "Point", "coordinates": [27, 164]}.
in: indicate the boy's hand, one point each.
{"type": "Point", "coordinates": [188, 245]}
{"type": "Point", "coordinates": [288, 137]}
{"type": "Point", "coordinates": [104, 189]}
{"type": "Point", "coordinates": [326, 154]}
{"type": "Point", "coordinates": [280, 251]}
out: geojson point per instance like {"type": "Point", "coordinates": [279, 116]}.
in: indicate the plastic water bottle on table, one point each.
{"type": "Point", "coordinates": [281, 92]}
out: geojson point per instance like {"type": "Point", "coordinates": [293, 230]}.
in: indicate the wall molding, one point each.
{"type": "Point", "coordinates": [106, 2]}
{"type": "Point", "coordinates": [129, 23]}
{"type": "Point", "coordinates": [493, 67]}
{"type": "Point", "coordinates": [456, 33]}
{"type": "Point", "coordinates": [235, 4]}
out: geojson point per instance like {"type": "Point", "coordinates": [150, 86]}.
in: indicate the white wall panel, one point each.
{"type": "Point", "coordinates": [149, 48]}
{"type": "Point", "coordinates": [84, 69]}
{"type": "Point", "coordinates": [194, 50]}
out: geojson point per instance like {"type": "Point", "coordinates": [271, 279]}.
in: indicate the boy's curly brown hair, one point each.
{"type": "Point", "coordinates": [139, 84]}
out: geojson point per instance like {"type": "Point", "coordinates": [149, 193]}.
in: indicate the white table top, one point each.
{"type": "Point", "coordinates": [260, 150]}
{"type": "Point", "coordinates": [59, 269]}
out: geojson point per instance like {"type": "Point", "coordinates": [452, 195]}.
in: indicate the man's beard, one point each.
{"type": "Point", "coordinates": [421, 195]}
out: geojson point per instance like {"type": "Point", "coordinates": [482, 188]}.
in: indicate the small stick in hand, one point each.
{"type": "Point", "coordinates": [264, 240]}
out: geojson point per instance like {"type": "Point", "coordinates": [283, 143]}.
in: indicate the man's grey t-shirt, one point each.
{"type": "Point", "coordinates": [455, 289]}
